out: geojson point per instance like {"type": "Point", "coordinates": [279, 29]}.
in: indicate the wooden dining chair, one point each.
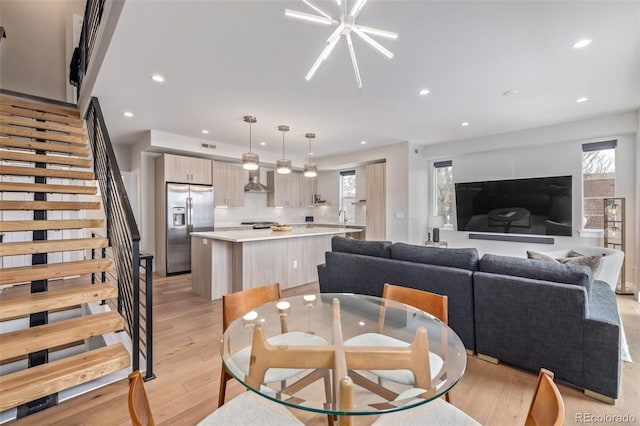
{"type": "Point", "coordinates": [236, 304]}
{"type": "Point", "coordinates": [251, 409]}
{"type": "Point", "coordinates": [431, 303]}
{"type": "Point", "coordinates": [547, 406]}
{"type": "Point", "coordinates": [139, 407]}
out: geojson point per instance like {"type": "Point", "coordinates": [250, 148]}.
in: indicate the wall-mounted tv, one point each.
{"type": "Point", "coordinates": [540, 206]}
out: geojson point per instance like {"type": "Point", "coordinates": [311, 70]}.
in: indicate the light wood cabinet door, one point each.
{"type": "Point", "coordinates": [308, 187]}
{"type": "Point", "coordinates": [176, 168]}
{"type": "Point", "coordinates": [376, 201]}
{"type": "Point", "coordinates": [200, 170]}
{"type": "Point", "coordinates": [283, 189]}
{"type": "Point", "coordinates": [228, 182]}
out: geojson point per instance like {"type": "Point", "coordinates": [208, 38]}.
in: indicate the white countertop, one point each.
{"type": "Point", "coordinates": [241, 236]}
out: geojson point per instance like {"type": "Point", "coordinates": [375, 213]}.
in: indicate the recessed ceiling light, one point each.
{"type": "Point", "coordinates": [581, 43]}
{"type": "Point", "coordinates": [157, 77]}
{"type": "Point", "coordinates": [311, 153]}
{"type": "Point", "coordinates": [263, 143]}
{"type": "Point", "coordinates": [127, 114]}
{"type": "Point", "coordinates": [581, 100]}
{"type": "Point", "coordinates": [423, 92]}
{"type": "Point", "coordinates": [465, 124]}
{"type": "Point", "coordinates": [206, 132]}
{"type": "Point", "coordinates": [363, 142]}
{"type": "Point", "coordinates": [510, 92]}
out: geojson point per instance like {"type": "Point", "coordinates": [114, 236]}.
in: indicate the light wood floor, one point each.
{"type": "Point", "coordinates": [187, 364]}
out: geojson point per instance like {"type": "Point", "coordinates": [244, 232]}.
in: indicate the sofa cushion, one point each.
{"type": "Point", "coordinates": [536, 269]}
{"type": "Point", "coordinates": [573, 258]}
{"type": "Point", "coordinates": [366, 248]}
{"type": "Point", "coordinates": [463, 258]}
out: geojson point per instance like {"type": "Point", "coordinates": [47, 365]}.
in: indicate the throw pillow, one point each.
{"type": "Point", "coordinates": [573, 253]}
{"type": "Point", "coordinates": [540, 256]}
{"type": "Point", "coordinates": [593, 262]}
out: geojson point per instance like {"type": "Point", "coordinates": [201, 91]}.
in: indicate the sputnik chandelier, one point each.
{"type": "Point", "coordinates": [346, 24]}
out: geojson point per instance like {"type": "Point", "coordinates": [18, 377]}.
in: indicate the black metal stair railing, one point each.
{"type": "Point", "coordinates": [82, 54]}
{"type": "Point", "coordinates": [135, 301]}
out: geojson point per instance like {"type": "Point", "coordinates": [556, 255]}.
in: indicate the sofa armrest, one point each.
{"type": "Point", "coordinates": [323, 280]}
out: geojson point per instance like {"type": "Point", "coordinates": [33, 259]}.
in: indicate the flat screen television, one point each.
{"type": "Point", "coordinates": [540, 206]}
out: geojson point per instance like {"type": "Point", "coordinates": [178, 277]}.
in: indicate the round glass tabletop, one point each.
{"type": "Point", "coordinates": [297, 350]}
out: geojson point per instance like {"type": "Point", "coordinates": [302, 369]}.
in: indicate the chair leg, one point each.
{"type": "Point", "coordinates": [447, 398]}
{"type": "Point", "coordinates": [224, 378]}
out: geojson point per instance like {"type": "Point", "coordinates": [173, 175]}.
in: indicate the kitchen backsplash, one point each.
{"type": "Point", "coordinates": [255, 209]}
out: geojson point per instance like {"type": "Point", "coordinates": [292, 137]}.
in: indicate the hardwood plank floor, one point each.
{"type": "Point", "coordinates": [187, 335]}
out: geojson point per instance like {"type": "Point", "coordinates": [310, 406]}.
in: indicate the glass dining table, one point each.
{"type": "Point", "coordinates": [344, 354]}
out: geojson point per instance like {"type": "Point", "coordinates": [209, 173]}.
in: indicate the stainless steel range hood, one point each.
{"type": "Point", "coordinates": [254, 184]}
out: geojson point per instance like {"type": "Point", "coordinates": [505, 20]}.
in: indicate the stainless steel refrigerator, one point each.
{"type": "Point", "coordinates": [189, 209]}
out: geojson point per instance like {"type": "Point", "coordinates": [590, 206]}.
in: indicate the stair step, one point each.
{"type": "Point", "coordinates": [43, 187]}
{"type": "Point", "coordinates": [25, 304]}
{"type": "Point", "coordinates": [53, 173]}
{"type": "Point", "coordinates": [7, 110]}
{"type": "Point", "coordinates": [53, 349]}
{"type": "Point", "coordinates": [35, 134]}
{"type": "Point", "coordinates": [33, 339]}
{"type": "Point", "coordinates": [43, 225]}
{"type": "Point", "coordinates": [51, 246]}
{"type": "Point", "coordinates": [36, 382]}
{"type": "Point", "coordinates": [50, 205]}
{"type": "Point", "coordinates": [53, 270]}
{"type": "Point", "coordinates": [36, 106]}
{"type": "Point", "coordinates": [45, 146]}
{"type": "Point", "coordinates": [50, 159]}
{"type": "Point", "coordinates": [43, 125]}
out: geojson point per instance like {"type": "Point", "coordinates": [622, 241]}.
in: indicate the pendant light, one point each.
{"type": "Point", "coordinates": [310, 168]}
{"type": "Point", "coordinates": [250, 160]}
{"type": "Point", "coordinates": [283, 166]}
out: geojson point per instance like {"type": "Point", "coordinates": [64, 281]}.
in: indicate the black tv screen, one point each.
{"type": "Point", "coordinates": [540, 206]}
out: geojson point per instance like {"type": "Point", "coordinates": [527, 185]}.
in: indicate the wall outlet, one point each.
{"type": "Point", "coordinates": [295, 264]}
{"type": "Point", "coordinates": [204, 242]}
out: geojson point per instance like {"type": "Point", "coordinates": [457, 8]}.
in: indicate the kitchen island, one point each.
{"type": "Point", "coordinates": [223, 262]}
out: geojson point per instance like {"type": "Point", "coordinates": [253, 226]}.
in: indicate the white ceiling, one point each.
{"type": "Point", "coordinates": [226, 59]}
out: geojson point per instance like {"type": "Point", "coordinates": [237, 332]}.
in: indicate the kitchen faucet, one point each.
{"type": "Point", "coordinates": [345, 215]}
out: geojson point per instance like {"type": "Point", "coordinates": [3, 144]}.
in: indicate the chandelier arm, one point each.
{"type": "Point", "coordinates": [378, 32]}
{"type": "Point", "coordinates": [323, 55]}
{"type": "Point", "coordinates": [317, 9]}
{"type": "Point", "coordinates": [357, 7]}
{"type": "Point", "coordinates": [336, 34]}
{"type": "Point", "coordinates": [380, 48]}
{"type": "Point", "coordinates": [352, 53]}
{"type": "Point", "coordinates": [309, 17]}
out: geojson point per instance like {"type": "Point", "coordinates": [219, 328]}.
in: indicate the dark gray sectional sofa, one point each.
{"type": "Point", "coordinates": [528, 313]}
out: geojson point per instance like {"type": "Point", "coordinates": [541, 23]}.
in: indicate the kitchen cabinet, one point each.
{"type": "Point", "coordinates": [182, 169]}
{"type": "Point", "coordinates": [228, 183]}
{"type": "Point", "coordinates": [308, 186]}
{"type": "Point", "coordinates": [376, 201]}
{"type": "Point", "coordinates": [283, 190]}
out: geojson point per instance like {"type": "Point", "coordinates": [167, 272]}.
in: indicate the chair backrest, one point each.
{"type": "Point", "coordinates": [236, 304]}
{"type": "Point", "coordinates": [431, 303]}
{"type": "Point", "coordinates": [547, 407]}
{"type": "Point", "coordinates": [139, 408]}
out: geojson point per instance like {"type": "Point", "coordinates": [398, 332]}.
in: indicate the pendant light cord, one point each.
{"type": "Point", "coordinates": [249, 137]}
{"type": "Point", "coordinates": [283, 145]}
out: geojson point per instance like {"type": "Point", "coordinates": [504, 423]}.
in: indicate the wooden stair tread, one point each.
{"type": "Point", "coordinates": [50, 205]}
{"type": "Point", "coordinates": [51, 246]}
{"type": "Point", "coordinates": [53, 270]}
{"type": "Point", "coordinates": [25, 304]}
{"type": "Point", "coordinates": [45, 146]}
{"type": "Point", "coordinates": [21, 112]}
{"type": "Point", "coordinates": [43, 125]}
{"type": "Point", "coordinates": [41, 225]}
{"type": "Point", "coordinates": [33, 339]}
{"type": "Point", "coordinates": [47, 188]}
{"type": "Point", "coordinates": [37, 106]}
{"type": "Point", "coordinates": [35, 134]}
{"type": "Point", "coordinates": [50, 159]}
{"type": "Point", "coordinates": [33, 383]}
{"type": "Point", "coordinates": [52, 349]}
{"type": "Point", "coordinates": [48, 172]}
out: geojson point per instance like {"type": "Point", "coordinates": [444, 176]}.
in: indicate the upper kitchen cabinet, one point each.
{"type": "Point", "coordinates": [178, 168]}
{"type": "Point", "coordinates": [376, 201]}
{"type": "Point", "coordinates": [307, 187]}
{"type": "Point", "coordinates": [228, 182]}
{"type": "Point", "coordinates": [283, 190]}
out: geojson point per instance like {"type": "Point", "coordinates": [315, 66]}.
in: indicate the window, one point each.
{"type": "Point", "coordinates": [443, 189]}
{"type": "Point", "coordinates": [348, 193]}
{"type": "Point", "coordinates": [598, 180]}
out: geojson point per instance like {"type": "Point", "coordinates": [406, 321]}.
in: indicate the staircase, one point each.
{"type": "Point", "coordinates": [45, 169]}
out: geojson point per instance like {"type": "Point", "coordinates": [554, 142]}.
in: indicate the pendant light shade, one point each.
{"type": "Point", "coordinates": [310, 168]}
{"type": "Point", "coordinates": [250, 160]}
{"type": "Point", "coordinates": [283, 166]}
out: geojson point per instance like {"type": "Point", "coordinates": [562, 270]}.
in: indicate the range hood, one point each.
{"type": "Point", "coordinates": [254, 184]}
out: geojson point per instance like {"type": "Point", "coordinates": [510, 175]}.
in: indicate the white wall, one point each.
{"type": "Point", "coordinates": [548, 151]}
{"type": "Point", "coordinates": [39, 37]}
{"type": "Point", "coordinates": [397, 191]}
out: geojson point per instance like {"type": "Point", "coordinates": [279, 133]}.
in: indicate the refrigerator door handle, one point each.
{"type": "Point", "coordinates": [189, 216]}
